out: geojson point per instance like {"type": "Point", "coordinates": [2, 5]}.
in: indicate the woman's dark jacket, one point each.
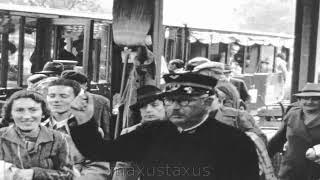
{"type": "Point", "coordinates": [212, 151]}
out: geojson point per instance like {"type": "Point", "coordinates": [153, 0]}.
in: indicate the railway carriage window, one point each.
{"type": "Point", "coordinates": [13, 47]}
{"type": "Point", "coordinates": [29, 46]}
{"type": "Point", "coordinates": [101, 53]}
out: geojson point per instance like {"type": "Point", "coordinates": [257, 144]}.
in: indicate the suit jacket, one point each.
{"type": "Point", "coordinates": [92, 170]}
{"type": "Point", "coordinates": [241, 87]}
{"type": "Point", "coordinates": [212, 151]}
{"type": "Point", "coordinates": [102, 114]}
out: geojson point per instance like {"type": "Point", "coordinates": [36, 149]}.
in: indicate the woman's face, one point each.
{"type": "Point", "coordinates": [153, 111]}
{"type": "Point", "coordinates": [26, 114]}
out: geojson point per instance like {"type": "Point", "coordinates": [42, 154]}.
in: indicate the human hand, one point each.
{"type": "Point", "coordinates": [285, 147]}
{"type": "Point", "coordinates": [82, 107]}
{"type": "Point", "coordinates": [313, 154]}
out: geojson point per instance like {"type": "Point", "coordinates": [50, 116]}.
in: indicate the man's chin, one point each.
{"type": "Point", "coordinates": [177, 119]}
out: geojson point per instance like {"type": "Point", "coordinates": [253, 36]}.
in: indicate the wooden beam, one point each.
{"type": "Point", "coordinates": [69, 21]}
{"type": "Point", "coordinates": [158, 38]}
{"type": "Point", "coordinates": [20, 51]}
{"type": "Point", "coordinates": [306, 29]}
{"type": "Point", "coordinates": [4, 64]}
{"type": "Point", "coordinates": [87, 49]}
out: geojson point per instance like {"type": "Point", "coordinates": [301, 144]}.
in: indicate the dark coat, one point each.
{"type": "Point", "coordinates": [212, 151]}
{"type": "Point", "coordinates": [242, 88]}
{"type": "Point", "coordinates": [295, 166]}
{"type": "Point", "coordinates": [102, 113]}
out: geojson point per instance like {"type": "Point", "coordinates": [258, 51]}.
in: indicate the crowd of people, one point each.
{"type": "Point", "coordinates": [195, 127]}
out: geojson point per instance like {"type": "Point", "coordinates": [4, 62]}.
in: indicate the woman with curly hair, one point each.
{"type": "Point", "coordinates": [29, 150]}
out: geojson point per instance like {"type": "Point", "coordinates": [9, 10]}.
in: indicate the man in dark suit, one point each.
{"type": "Point", "coordinates": [238, 83]}
{"type": "Point", "coordinates": [191, 144]}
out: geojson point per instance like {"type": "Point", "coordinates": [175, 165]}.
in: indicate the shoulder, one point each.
{"type": "Point", "coordinates": [228, 135]}
{"type": "Point", "coordinates": [99, 98]}
{"type": "Point", "coordinates": [236, 80]}
{"type": "Point", "coordinates": [3, 130]}
{"type": "Point", "coordinates": [157, 127]}
{"type": "Point", "coordinates": [130, 129]}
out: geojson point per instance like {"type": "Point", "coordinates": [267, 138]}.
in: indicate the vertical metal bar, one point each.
{"type": "Point", "coordinates": [87, 49]}
{"type": "Point", "coordinates": [4, 64]}
{"type": "Point", "coordinates": [20, 51]}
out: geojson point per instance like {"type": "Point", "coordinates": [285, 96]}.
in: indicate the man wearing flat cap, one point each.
{"type": "Point", "coordinates": [189, 145]}
{"type": "Point", "coordinates": [52, 69]}
{"type": "Point", "coordinates": [302, 131]}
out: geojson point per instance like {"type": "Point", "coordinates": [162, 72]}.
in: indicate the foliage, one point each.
{"type": "Point", "coordinates": [77, 5]}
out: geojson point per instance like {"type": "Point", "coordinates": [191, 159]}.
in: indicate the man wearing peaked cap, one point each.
{"type": "Point", "coordinates": [189, 139]}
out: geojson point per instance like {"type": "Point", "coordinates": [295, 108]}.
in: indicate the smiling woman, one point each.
{"type": "Point", "coordinates": [32, 151]}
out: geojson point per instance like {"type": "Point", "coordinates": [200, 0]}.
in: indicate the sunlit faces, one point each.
{"type": "Point", "coordinates": [153, 111]}
{"type": "Point", "coordinates": [185, 111]}
{"type": "Point", "coordinates": [59, 98]}
{"type": "Point", "coordinates": [26, 114]}
{"type": "Point", "coordinates": [310, 103]}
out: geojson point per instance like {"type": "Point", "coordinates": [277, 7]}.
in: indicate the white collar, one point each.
{"type": "Point", "coordinates": [60, 124]}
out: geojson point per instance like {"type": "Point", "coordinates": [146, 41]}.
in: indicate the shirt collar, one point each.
{"type": "Point", "coordinates": [13, 136]}
{"type": "Point", "coordinates": [191, 129]}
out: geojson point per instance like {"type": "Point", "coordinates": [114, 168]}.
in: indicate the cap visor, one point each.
{"type": "Point", "coordinates": [45, 72]}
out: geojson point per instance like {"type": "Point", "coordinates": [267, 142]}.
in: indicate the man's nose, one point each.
{"type": "Point", "coordinates": [148, 108]}
{"type": "Point", "coordinates": [176, 105]}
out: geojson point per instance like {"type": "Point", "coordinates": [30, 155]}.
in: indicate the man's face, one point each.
{"type": "Point", "coordinates": [185, 111]}
{"type": "Point", "coordinates": [310, 103]}
{"type": "Point", "coordinates": [59, 98]}
{"type": "Point", "coordinates": [153, 111]}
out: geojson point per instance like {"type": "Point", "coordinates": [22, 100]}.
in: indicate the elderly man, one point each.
{"type": "Point", "coordinates": [190, 145]}
{"type": "Point", "coordinates": [302, 132]}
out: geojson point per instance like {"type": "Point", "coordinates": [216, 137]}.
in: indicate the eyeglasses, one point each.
{"type": "Point", "coordinates": [181, 101]}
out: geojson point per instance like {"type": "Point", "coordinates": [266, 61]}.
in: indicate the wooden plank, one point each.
{"type": "Point", "coordinates": [4, 64]}
{"type": "Point", "coordinates": [87, 49]}
{"type": "Point", "coordinates": [307, 13]}
{"type": "Point", "coordinates": [158, 37]}
{"type": "Point", "coordinates": [20, 51]}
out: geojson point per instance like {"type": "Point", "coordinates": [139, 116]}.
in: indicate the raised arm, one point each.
{"type": "Point", "coordinates": [127, 147]}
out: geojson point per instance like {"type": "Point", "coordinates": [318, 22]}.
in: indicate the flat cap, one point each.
{"type": "Point", "coordinates": [74, 75]}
